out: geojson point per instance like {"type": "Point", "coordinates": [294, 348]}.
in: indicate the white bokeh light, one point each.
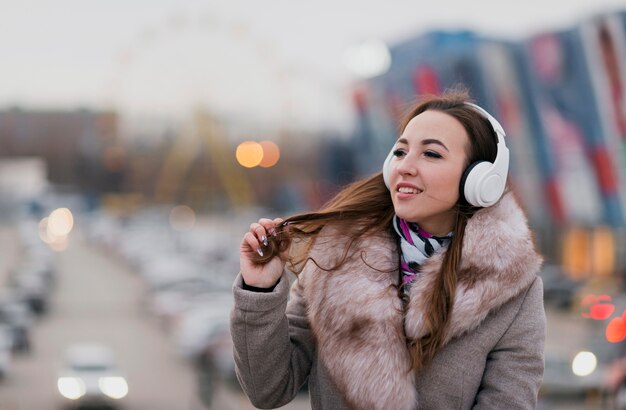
{"type": "Point", "coordinates": [584, 364]}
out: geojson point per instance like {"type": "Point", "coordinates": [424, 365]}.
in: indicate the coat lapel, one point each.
{"type": "Point", "coordinates": [499, 261]}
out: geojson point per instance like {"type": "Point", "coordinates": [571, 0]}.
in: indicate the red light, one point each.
{"type": "Point", "coordinates": [601, 311]}
{"type": "Point", "coordinates": [616, 330]}
{"type": "Point", "coordinates": [598, 310]}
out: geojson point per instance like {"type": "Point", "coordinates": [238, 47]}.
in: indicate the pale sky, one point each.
{"type": "Point", "coordinates": [264, 60]}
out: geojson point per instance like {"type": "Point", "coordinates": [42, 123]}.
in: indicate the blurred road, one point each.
{"type": "Point", "coordinates": [98, 299]}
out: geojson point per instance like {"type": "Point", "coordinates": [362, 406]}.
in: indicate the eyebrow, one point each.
{"type": "Point", "coordinates": [425, 142]}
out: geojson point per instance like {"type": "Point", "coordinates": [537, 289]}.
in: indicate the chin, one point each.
{"type": "Point", "coordinates": [407, 215]}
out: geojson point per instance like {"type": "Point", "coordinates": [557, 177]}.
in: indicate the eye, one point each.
{"type": "Point", "coordinates": [432, 154]}
{"type": "Point", "coordinates": [399, 153]}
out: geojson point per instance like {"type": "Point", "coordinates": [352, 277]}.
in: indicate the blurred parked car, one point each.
{"type": "Point", "coordinates": [15, 314]}
{"type": "Point", "coordinates": [202, 335]}
{"type": "Point", "coordinates": [200, 326]}
{"type": "Point", "coordinates": [170, 300]}
{"type": "Point", "coordinates": [558, 289]}
{"type": "Point", "coordinates": [5, 351]}
{"type": "Point", "coordinates": [577, 357]}
{"type": "Point", "coordinates": [90, 377]}
{"type": "Point", "coordinates": [32, 288]}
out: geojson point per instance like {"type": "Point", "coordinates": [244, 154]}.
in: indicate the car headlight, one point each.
{"type": "Point", "coordinates": [584, 364]}
{"type": "Point", "coordinates": [114, 387]}
{"type": "Point", "coordinates": [71, 387]}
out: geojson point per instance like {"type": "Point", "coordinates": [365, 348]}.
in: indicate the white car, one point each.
{"type": "Point", "coordinates": [89, 376]}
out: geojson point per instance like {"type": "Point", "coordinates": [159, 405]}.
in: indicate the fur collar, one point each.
{"type": "Point", "coordinates": [356, 316]}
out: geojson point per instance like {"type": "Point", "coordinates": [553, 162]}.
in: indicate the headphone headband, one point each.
{"type": "Point", "coordinates": [499, 130]}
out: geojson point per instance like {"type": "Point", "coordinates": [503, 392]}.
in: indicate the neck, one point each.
{"type": "Point", "coordinates": [437, 227]}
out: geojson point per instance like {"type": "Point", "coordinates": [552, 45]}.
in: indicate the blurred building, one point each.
{"type": "Point", "coordinates": [193, 163]}
{"type": "Point", "coordinates": [79, 147]}
{"type": "Point", "coordinates": [560, 98]}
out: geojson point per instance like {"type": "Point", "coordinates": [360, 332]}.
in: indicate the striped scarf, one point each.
{"type": "Point", "coordinates": [416, 245]}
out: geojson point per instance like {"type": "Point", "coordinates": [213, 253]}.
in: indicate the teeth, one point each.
{"type": "Point", "coordinates": [407, 190]}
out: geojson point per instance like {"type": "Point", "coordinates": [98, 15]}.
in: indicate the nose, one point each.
{"type": "Point", "coordinates": [406, 167]}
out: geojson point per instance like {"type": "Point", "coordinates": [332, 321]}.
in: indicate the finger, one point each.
{"type": "Point", "coordinates": [275, 222]}
{"type": "Point", "coordinates": [260, 232]}
{"type": "Point", "coordinates": [252, 243]}
{"type": "Point", "coordinates": [269, 225]}
{"type": "Point", "coordinates": [266, 222]}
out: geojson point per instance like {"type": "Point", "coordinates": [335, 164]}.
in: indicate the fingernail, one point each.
{"type": "Point", "coordinates": [259, 251]}
{"type": "Point", "coordinates": [273, 231]}
{"type": "Point", "coordinates": [264, 240]}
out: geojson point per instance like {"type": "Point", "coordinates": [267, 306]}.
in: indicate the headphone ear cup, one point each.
{"type": "Point", "coordinates": [466, 173]}
{"type": "Point", "coordinates": [483, 185]}
{"type": "Point", "coordinates": [471, 182]}
{"type": "Point", "coordinates": [386, 170]}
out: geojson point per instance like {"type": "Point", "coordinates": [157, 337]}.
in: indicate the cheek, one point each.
{"type": "Point", "coordinates": [446, 182]}
{"type": "Point", "coordinates": [394, 174]}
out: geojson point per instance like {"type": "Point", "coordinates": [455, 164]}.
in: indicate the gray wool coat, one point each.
{"type": "Point", "coordinates": [344, 331]}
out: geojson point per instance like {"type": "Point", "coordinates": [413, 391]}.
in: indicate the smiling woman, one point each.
{"type": "Point", "coordinates": [412, 268]}
{"type": "Point", "coordinates": [424, 169]}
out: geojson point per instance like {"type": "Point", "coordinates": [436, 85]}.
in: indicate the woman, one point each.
{"type": "Point", "coordinates": [417, 287]}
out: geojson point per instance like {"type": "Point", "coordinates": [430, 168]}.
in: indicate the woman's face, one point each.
{"type": "Point", "coordinates": [429, 159]}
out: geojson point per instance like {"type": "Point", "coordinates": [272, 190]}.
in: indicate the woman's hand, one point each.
{"type": "Point", "coordinates": [253, 243]}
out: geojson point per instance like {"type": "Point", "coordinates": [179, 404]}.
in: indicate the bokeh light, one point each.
{"type": "Point", "coordinates": [43, 231]}
{"type": "Point", "coordinates": [597, 307]}
{"type": "Point", "coordinates": [71, 387]}
{"type": "Point", "coordinates": [249, 154]}
{"type": "Point", "coordinates": [114, 387]}
{"type": "Point", "coordinates": [584, 364]}
{"type": "Point", "coordinates": [60, 222]}
{"type": "Point", "coordinates": [602, 311]}
{"type": "Point", "coordinates": [271, 154]}
{"type": "Point", "coordinates": [616, 330]}
{"type": "Point", "coordinates": [182, 218]}
{"type": "Point", "coordinates": [55, 228]}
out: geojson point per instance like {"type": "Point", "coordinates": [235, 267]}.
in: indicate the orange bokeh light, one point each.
{"type": "Point", "coordinates": [249, 154]}
{"type": "Point", "coordinates": [271, 154]}
{"type": "Point", "coordinates": [616, 330]}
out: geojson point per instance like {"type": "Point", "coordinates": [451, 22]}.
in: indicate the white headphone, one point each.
{"type": "Point", "coordinates": [483, 182]}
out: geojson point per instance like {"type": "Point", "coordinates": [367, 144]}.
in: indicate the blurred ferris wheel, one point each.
{"type": "Point", "coordinates": [191, 60]}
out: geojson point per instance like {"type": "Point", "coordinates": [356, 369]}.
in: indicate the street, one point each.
{"type": "Point", "coordinates": [99, 299]}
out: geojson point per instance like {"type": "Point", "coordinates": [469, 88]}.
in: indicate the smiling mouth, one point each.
{"type": "Point", "coordinates": [407, 190]}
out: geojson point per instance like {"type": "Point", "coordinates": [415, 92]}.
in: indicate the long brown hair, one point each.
{"type": "Point", "coordinates": [365, 206]}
